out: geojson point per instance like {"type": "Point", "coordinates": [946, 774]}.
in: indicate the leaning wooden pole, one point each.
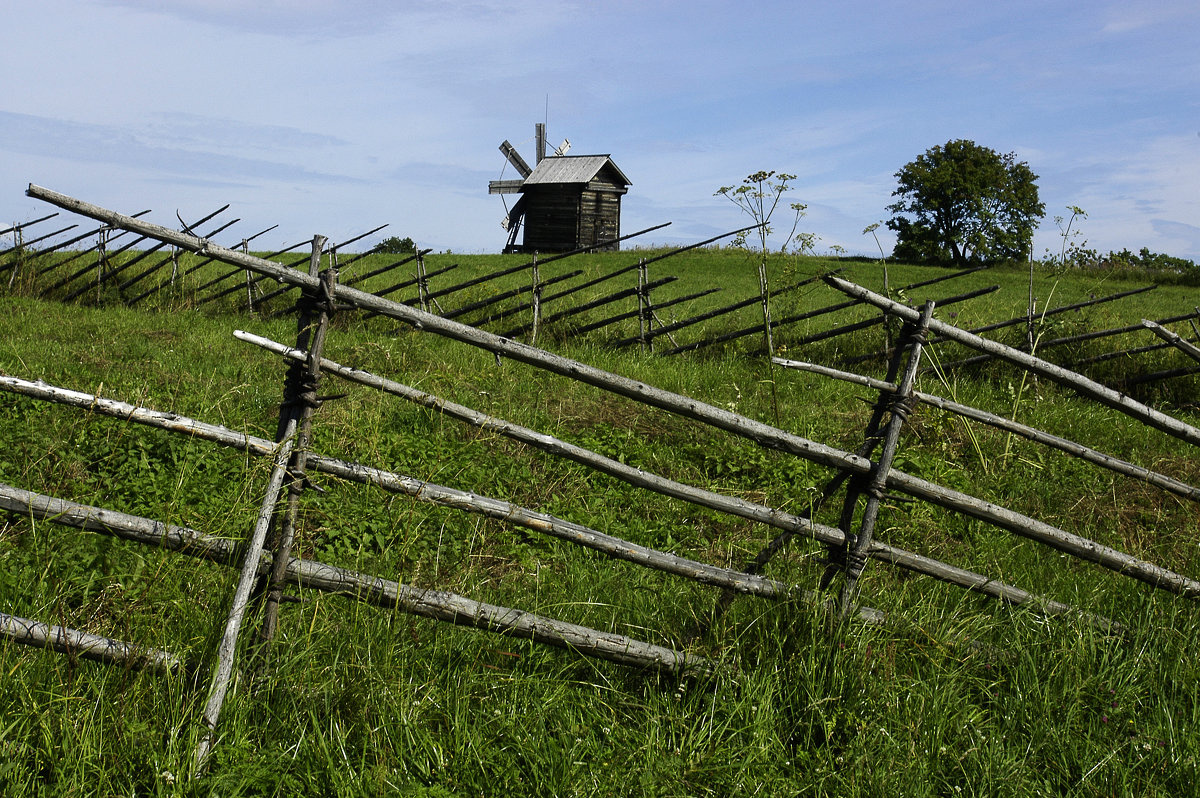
{"type": "Point", "coordinates": [789, 523]}
{"type": "Point", "coordinates": [1173, 339]}
{"type": "Point", "coordinates": [423, 491]}
{"type": "Point", "coordinates": [1020, 319]}
{"type": "Point", "coordinates": [653, 332]}
{"type": "Point", "coordinates": [1107, 461]}
{"type": "Point", "coordinates": [1072, 339]}
{"type": "Point", "coordinates": [734, 581]}
{"type": "Point", "coordinates": [22, 244]}
{"type": "Point", "coordinates": [227, 649]}
{"type": "Point", "coordinates": [300, 403]}
{"type": "Point", "coordinates": [856, 555]}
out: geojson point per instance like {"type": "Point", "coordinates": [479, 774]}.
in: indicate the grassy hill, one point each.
{"type": "Point", "coordinates": [954, 691]}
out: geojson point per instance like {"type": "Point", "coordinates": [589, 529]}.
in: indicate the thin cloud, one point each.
{"type": "Point", "coordinates": [105, 144]}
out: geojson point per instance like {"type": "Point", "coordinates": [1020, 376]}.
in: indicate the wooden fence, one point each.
{"type": "Point", "coordinates": [539, 300]}
{"type": "Point", "coordinates": [866, 475]}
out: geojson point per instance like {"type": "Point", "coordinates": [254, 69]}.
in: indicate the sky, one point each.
{"type": "Point", "coordinates": [333, 117]}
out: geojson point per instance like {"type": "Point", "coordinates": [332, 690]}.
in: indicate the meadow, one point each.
{"type": "Point", "coordinates": [953, 694]}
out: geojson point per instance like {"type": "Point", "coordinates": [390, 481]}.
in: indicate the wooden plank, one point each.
{"type": "Point", "coordinates": [505, 186]}
{"type": "Point", "coordinates": [514, 158]}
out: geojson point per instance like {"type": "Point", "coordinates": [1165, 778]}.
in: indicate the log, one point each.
{"type": "Point", "coordinates": [414, 281]}
{"type": "Point", "coordinates": [1173, 339]}
{"type": "Point", "coordinates": [75, 643]}
{"type": "Point", "coordinates": [640, 264]}
{"type": "Point", "coordinates": [137, 278]}
{"type": "Point", "coordinates": [30, 223]}
{"type": "Point", "coordinates": [419, 489]}
{"type": "Point", "coordinates": [528, 264]}
{"type": "Point", "coordinates": [59, 264]}
{"type": "Point", "coordinates": [393, 265]}
{"type": "Point", "coordinates": [79, 273]}
{"type": "Point", "coordinates": [483, 278]}
{"type": "Point", "coordinates": [251, 564]}
{"type": "Point", "coordinates": [792, 319]}
{"type": "Point", "coordinates": [383, 593]}
{"type": "Point", "coordinates": [679, 325]}
{"type": "Point", "coordinates": [654, 307]}
{"type": "Point", "coordinates": [33, 241]}
{"type": "Point", "coordinates": [866, 323]}
{"type": "Point", "coordinates": [1072, 339]}
{"type": "Point", "coordinates": [529, 519]}
{"type": "Point", "coordinates": [111, 273]}
{"type": "Point", "coordinates": [1106, 356]}
{"type": "Point", "coordinates": [608, 299]}
{"type": "Point", "coordinates": [1023, 318]}
{"type": "Point", "coordinates": [1063, 309]}
{"type": "Point", "coordinates": [1156, 376]}
{"type": "Point", "coordinates": [856, 555]}
{"type": "Point", "coordinates": [524, 289]}
{"type": "Point", "coordinates": [235, 272]}
{"type": "Point", "coordinates": [299, 404]}
{"type": "Point", "coordinates": [942, 278]}
{"type": "Point", "coordinates": [192, 269]}
{"type": "Point", "coordinates": [821, 336]}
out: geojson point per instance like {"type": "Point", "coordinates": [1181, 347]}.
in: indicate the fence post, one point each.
{"type": "Point", "coordinates": [249, 281]}
{"type": "Point", "coordinates": [537, 299]}
{"type": "Point", "coordinates": [422, 283]}
{"type": "Point", "coordinates": [227, 649]}
{"type": "Point", "coordinates": [643, 277]}
{"type": "Point", "coordinates": [300, 401]}
{"type": "Point", "coordinates": [101, 259]}
{"type": "Point", "coordinates": [856, 554]}
{"type": "Point", "coordinates": [18, 252]}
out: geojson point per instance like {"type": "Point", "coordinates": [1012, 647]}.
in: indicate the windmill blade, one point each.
{"type": "Point", "coordinates": [561, 149]}
{"type": "Point", "coordinates": [514, 158]}
{"type": "Point", "coordinates": [505, 186]}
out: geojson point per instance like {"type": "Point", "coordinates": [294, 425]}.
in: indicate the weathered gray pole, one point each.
{"type": "Point", "coordinates": [75, 643]}
{"type": "Point", "coordinates": [299, 404]}
{"type": "Point", "coordinates": [227, 650]}
{"type": "Point", "coordinates": [856, 555]}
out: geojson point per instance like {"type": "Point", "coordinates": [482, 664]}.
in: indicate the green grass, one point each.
{"type": "Point", "coordinates": [955, 694]}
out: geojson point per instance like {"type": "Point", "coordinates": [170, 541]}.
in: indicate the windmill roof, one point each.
{"type": "Point", "coordinates": [573, 169]}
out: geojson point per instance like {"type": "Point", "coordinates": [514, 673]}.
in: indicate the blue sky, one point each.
{"type": "Point", "coordinates": [336, 116]}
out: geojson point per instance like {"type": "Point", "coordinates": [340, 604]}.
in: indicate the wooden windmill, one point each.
{"type": "Point", "coordinates": [567, 202]}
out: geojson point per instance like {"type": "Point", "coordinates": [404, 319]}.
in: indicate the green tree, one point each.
{"type": "Point", "coordinates": [396, 245]}
{"type": "Point", "coordinates": [962, 203]}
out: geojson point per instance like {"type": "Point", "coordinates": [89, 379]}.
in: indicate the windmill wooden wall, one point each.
{"type": "Point", "coordinates": [571, 202]}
